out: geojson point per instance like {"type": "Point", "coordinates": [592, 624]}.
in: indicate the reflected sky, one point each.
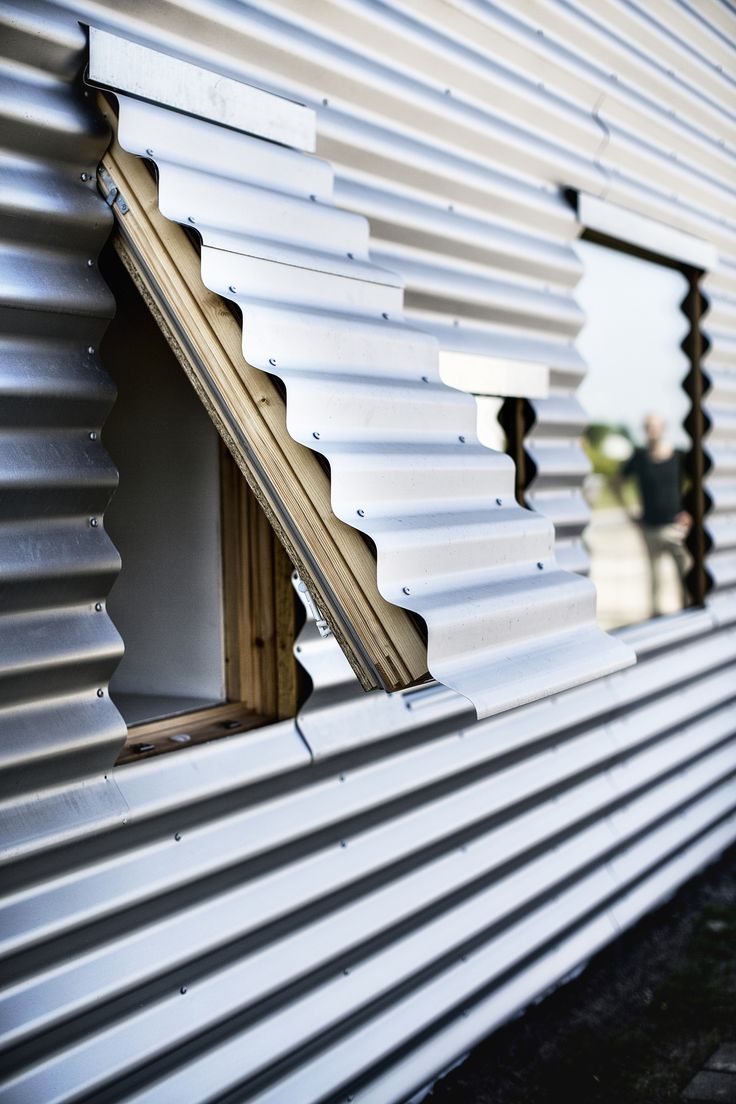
{"type": "Point", "coordinates": [630, 342]}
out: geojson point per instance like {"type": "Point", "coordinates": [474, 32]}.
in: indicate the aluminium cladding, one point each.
{"type": "Point", "coordinates": [505, 623]}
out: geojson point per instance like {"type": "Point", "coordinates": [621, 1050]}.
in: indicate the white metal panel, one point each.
{"type": "Point", "coordinates": [505, 624]}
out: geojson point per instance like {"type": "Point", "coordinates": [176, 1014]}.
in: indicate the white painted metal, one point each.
{"type": "Point", "coordinates": [129, 67]}
{"type": "Point", "coordinates": [505, 624]}
{"type": "Point", "coordinates": [617, 222]}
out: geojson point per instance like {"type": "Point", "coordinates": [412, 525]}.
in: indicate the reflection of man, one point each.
{"type": "Point", "coordinates": [658, 471]}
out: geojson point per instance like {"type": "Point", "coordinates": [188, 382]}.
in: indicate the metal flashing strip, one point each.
{"type": "Point", "coordinates": [125, 66]}
{"type": "Point", "coordinates": [646, 233]}
{"type": "Point", "coordinates": [505, 624]}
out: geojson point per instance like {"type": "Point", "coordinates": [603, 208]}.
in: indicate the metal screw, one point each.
{"type": "Point", "coordinates": [350, 256]}
{"type": "Point", "coordinates": [90, 262]}
{"type": "Point", "coordinates": [361, 513]}
{"type": "Point", "coordinates": [342, 777]}
{"type": "Point", "coordinates": [93, 522]}
{"type": "Point", "coordinates": [93, 436]}
{"type": "Point", "coordinates": [177, 836]}
{"type": "Point", "coordinates": [100, 693]}
{"type": "Point", "coordinates": [346, 973]}
{"type": "Point", "coordinates": [425, 379]}
{"type": "Point", "coordinates": [272, 361]}
{"type": "Point", "coordinates": [232, 288]}
{"type": "Point", "coordinates": [325, 102]}
{"type": "Point", "coordinates": [316, 435]}
{"type": "Point", "coordinates": [298, 648]}
{"type": "Point", "coordinates": [313, 198]}
{"type": "Point", "coordinates": [343, 843]}
{"type": "Point", "coordinates": [540, 565]}
{"type": "Point", "coordinates": [499, 502]}
{"type": "Point", "coordinates": [149, 152]}
{"type": "Point", "coordinates": [406, 590]}
{"type": "Point", "coordinates": [98, 607]}
{"type": "Point", "coordinates": [384, 315]}
{"type": "Point", "coordinates": [84, 176]}
{"type": "Point", "coordinates": [90, 349]}
{"type": "Point", "coordinates": [183, 990]}
{"type": "Point", "coordinates": [461, 439]}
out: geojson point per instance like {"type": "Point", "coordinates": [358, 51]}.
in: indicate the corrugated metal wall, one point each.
{"type": "Point", "coordinates": [57, 644]}
{"type": "Point", "coordinates": [276, 925]}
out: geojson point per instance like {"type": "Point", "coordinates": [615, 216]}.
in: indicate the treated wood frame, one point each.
{"type": "Point", "coordinates": [383, 643]}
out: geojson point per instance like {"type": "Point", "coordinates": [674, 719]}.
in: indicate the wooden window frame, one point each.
{"type": "Point", "coordinates": [259, 614]}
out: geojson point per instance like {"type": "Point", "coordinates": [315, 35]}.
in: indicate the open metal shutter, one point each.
{"type": "Point", "coordinates": [505, 624]}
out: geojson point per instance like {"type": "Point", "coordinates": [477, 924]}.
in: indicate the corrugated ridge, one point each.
{"type": "Point", "coordinates": [57, 650]}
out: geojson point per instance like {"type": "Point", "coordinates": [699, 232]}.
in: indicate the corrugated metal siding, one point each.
{"type": "Point", "coordinates": [56, 562]}
{"type": "Point", "coordinates": [349, 925]}
{"type": "Point", "coordinates": [504, 624]}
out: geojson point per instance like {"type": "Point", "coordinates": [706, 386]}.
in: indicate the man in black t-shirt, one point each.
{"type": "Point", "coordinates": [659, 473]}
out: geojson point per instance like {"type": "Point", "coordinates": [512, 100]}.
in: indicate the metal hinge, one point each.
{"type": "Point", "coordinates": [114, 196]}
{"type": "Point", "coordinates": [301, 588]}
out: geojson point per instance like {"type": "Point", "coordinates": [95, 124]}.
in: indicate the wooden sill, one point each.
{"type": "Point", "coordinates": [158, 737]}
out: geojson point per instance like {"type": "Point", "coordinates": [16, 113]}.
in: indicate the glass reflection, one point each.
{"type": "Point", "coordinates": [637, 446]}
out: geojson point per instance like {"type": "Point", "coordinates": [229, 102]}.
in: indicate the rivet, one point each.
{"type": "Point", "coordinates": [98, 607]}
{"type": "Point", "coordinates": [540, 565]}
{"type": "Point", "coordinates": [232, 288]}
{"type": "Point", "coordinates": [316, 435]}
{"type": "Point", "coordinates": [298, 648]}
{"type": "Point", "coordinates": [425, 379]}
{"type": "Point", "coordinates": [90, 349]}
{"type": "Point", "coordinates": [149, 152]}
{"type": "Point", "coordinates": [90, 262]}
{"type": "Point", "coordinates": [183, 990]}
{"type": "Point", "coordinates": [384, 315]}
{"type": "Point", "coordinates": [272, 361]}
{"type": "Point", "coordinates": [84, 176]}
{"type": "Point", "coordinates": [350, 256]}
{"type": "Point", "coordinates": [461, 439]}
{"type": "Point", "coordinates": [93, 522]}
{"type": "Point", "coordinates": [93, 436]}
{"type": "Point", "coordinates": [499, 502]}
{"type": "Point", "coordinates": [346, 973]}
{"type": "Point", "coordinates": [191, 219]}
{"type": "Point", "coordinates": [361, 513]}
{"type": "Point", "coordinates": [100, 693]}
{"type": "Point", "coordinates": [406, 590]}
{"type": "Point", "coordinates": [177, 836]}
{"type": "Point", "coordinates": [313, 198]}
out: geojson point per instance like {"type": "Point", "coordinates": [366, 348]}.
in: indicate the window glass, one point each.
{"type": "Point", "coordinates": [633, 394]}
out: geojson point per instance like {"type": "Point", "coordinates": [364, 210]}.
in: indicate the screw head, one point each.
{"type": "Point", "coordinates": [149, 152]}
{"type": "Point", "coordinates": [177, 836]}
{"type": "Point", "coordinates": [92, 436]}
{"type": "Point", "coordinates": [461, 439]}
{"type": "Point", "coordinates": [425, 379]}
{"type": "Point", "coordinates": [313, 198]}
{"type": "Point", "coordinates": [93, 522]}
{"type": "Point", "coordinates": [183, 990]}
{"type": "Point", "coordinates": [98, 607]}
{"type": "Point", "coordinates": [361, 513]}
{"type": "Point", "coordinates": [315, 435]}
{"type": "Point", "coordinates": [406, 590]}
{"type": "Point", "coordinates": [90, 349]}
{"type": "Point", "coordinates": [272, 361]}
{"type": "Point", "coordinates": [384, 315]}
{"type": "Point", "coordinates": [499, 502]}
{"type": "Point", "coordinates": [232, 288]}
{"type": "Point", "coordinates": [100, 693]}
{"type": "Point", "coordinates": [191, 219]}
{"type": "Point", "coordinates": [343, 843]}
{"type": "Point", "coordinates": [84, 176]}
{"type": "Point", "coordinates": [540, 565]}
{"type": "Point", "coordinates": [350, 257]}
{"type": "Point", "coordinates": [90, 262]}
